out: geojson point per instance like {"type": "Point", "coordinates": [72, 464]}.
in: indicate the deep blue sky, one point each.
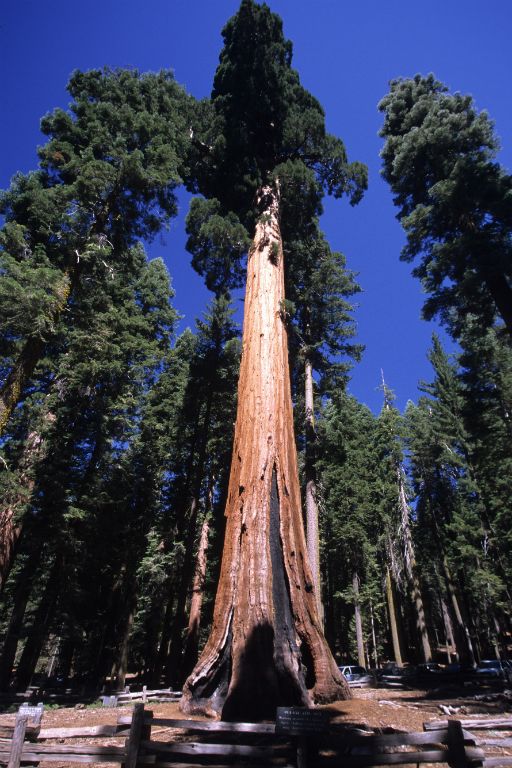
{"type": "Point", "coordinates": [346, 52]}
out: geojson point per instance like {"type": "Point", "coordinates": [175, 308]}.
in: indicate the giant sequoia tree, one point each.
{"type": "Point", "coordinates": [261, 146]}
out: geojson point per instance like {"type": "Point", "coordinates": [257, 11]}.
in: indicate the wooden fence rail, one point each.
{"type": "Point", "coordinates": [474, 724]}
{"type": "Point", "coordinates": [224, 745]}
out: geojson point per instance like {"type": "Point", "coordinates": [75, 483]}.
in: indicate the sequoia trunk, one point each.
{"type": "Point", "coordinates": [266, 646]}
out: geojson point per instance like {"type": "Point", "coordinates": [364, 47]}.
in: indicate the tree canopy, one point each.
{"type": "Point", "coordinates": [454, 200]}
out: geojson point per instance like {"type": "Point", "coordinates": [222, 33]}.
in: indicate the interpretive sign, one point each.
{"type": "Point", "coordinates": [34, 713]}
{"type": "Point", "coordinates": [109, 701]}
{"type": "Point", "coordinates": [298, 720]}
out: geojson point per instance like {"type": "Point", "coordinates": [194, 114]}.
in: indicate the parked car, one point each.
{"type": "Point", "coordinates": [356, 675]}
{"type": "Point", "coordinates": [430, 672]}
{"type": "Point", "coordinates": [493, 670]}
{"type": "Point", "coordinates": [395, 676]}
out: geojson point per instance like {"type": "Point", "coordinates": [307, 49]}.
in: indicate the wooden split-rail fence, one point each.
{"type": "Point", "coordinates": [145, 695]}
{"type": "Point", "coordinates": [171, 743]}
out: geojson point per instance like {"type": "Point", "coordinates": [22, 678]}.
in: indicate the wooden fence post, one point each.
{"type": "Point", "coordinates": [134, 739]}
{"type": "Point", "coordinates": [146, 725]}
{"type": "Point", "coordinates": [302, 752]}
{"type": "Point", "coordinates": [18, 738]}
{"type": "Point", "coordinates": [457, 750]}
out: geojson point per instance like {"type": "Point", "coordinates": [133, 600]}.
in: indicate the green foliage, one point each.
{"type": "Point", "coordinates": [454, 200]}
{"type": "Point", "coordinates": [107, 178]}
{"type": "Point", "coordinates": [217, 244]}
{"type": "Point", "coordinates": [30, 296]}
{"type": "Point", "coordinates": [320, 288]}
{"type": "Point", "coordinates": [351, 520]}
{"type": "Point", "coordinates": [260, 118]}
{"type": "Point", "coordinates": [457, 502]}
{"type": "Point", "coordinates": [109, 168]}
{"type": "Point", "coordinates": [76, 498]}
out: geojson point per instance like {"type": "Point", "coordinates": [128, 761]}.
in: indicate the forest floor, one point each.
{"type": "Point", "coordinates": [371, 708]}
{"type": "Point", "coordinates": [379, 708]}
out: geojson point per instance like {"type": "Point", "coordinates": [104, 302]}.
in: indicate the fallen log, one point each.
{"type": "Point", "coordinates": [501, 723]}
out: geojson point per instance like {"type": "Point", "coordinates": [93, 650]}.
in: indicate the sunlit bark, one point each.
{"type": "Point", "coordinates": [266, 646]}
{"type": "Point", "coordinates": [393, 622]}
{"type": "Point", "coordinates": [412, 575]}
{"type": "Point", "coordinates": [359, 624]}
{"type": "Point", "coordinates": [312, 522]}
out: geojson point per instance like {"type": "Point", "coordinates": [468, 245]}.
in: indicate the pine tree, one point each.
{"type": "Point", "coordinates": [454, 200]}
{"type": "Point", "coordinates": [352, 528]}
{"type": "Point", "coordinates": [396, 513]}
{"type": "Point", "coordinates": [107, 177]}
{"type": "Point", "coordinates": [485, 376]}
{"type": "Point", "coordinates": [449, 524]}
{"type": "Point", "coordinates": [76, 497]}
{"type": "Point", "coordinates": [319, 317]}
{"type": "Point", "coordinates": [192, 407]}
{"type": "Point", "coordinates": [207, 419]}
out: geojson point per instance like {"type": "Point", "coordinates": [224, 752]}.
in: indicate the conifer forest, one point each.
{"type": "Point", "coordinates": [211, 509]}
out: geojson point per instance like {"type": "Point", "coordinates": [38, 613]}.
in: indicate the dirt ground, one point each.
{"type": "Point", "coordinates": [371, 708]}
{"type": "Point", "coordinates": [379, 708]}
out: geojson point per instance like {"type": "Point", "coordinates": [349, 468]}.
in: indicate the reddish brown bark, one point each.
{"type": "Point", "coordinates": [266, 646]}
{"type": "Point", "coordinates": [11, 523]}
{"type": "Point", "coordinates": [196, 600]}
{"type": "Point", "coordinates": [10, 530]}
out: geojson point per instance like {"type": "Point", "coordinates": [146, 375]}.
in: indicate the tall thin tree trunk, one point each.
{"type": "Point", "coordinates": [194, 622]}
{"type": "Point", "coordinates": [21, 598]}
{"type": "Point", "coordinates": [393, 623]}
{"type": "Point", "coordinates": [39, 631]}
{"type": "Point", "coordinates": [495, 635]}
{"type": "Point", "coordinates": [359, 624]}
{"type": "Point", "coordinates": [312, 526]}
{"type": "Point", "coordinates": [176, 671]}
{"type": "Point", "coordinates": [450, 642]}
{"type": "Point", "coordinates": [173, 672]}
{"type": "Point", "coordinates": [165, 638]}
{"type": "Point", "coordinates": [330, 623]}
{"type": "Point", "coordinates": [411, 571]}
{"type": "Point", "coordinates": [65, 657]}
{"type": "Point", "coordinates": [121, 665]}
{"type": "Point", "coordinates": [463, 642]}
{"type": "Point", "coordinates": [266, 626]}
{"type": "Point", "coordinates": [374, 638]}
